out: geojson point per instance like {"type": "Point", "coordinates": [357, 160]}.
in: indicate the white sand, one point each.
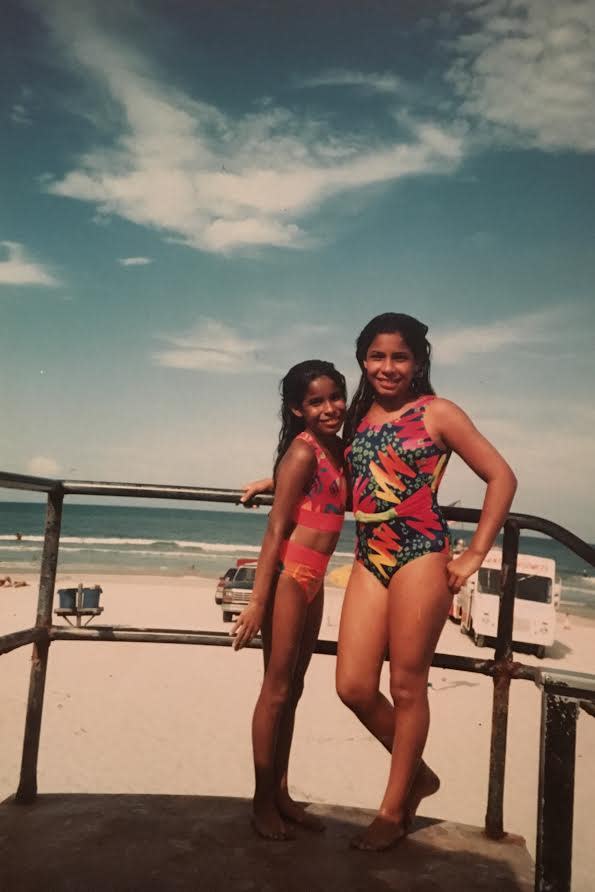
{"type": "Point", "coordinates": [149, 718]}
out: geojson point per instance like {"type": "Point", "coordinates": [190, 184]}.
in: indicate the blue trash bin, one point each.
{"type": "Point", "coordinates": [67, 598]}
{"type": "Point", "coordinates": [91, 596]}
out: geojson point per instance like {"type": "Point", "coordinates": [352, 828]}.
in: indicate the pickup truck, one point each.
{"type": "Point", "coordinates": [237, 589]}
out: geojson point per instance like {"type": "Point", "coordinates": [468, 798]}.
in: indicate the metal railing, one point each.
{"type": "Point", "coordinates": [563, 693]}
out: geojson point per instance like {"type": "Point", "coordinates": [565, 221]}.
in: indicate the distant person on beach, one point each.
{"type": "Point", "coordinates": [287, 599]}
{"type": "Point", "coordinates": [399, 436]}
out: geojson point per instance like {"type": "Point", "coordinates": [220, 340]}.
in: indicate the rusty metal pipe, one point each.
{"type": "Point", "coordinates": [27, 789]}
{"type": "Point", "coordinates": [494, 819]}
{"type": "Point", "coordinates": [14, 640]}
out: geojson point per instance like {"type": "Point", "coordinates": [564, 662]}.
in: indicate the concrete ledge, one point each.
{"type": "Point", "coordinates": [142, 843]}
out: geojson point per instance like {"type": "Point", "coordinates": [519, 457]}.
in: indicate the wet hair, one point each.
{"type": "Point", "coordinates": [293, 389]}
{"type": "Point", "coordinates": [413, 333]}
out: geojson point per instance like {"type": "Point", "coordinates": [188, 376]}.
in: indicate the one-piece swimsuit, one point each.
{"type": "Point", "coordinates": [396, 469]}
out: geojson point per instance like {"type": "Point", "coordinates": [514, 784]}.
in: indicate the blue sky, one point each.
{"type": "Point", "coordinates": [196, 196]}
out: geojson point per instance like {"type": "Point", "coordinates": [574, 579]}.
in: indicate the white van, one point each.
{"type": "Point", "coordinates": [534, 603]}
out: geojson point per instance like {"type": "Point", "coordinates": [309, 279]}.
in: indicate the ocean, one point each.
{"type": "Point", "coordinates": [100, 539]}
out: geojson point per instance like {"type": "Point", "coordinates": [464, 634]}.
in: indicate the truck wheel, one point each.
{"type": "Point", "coordinates": [540, 651]}
{"type": "Point", "coordinates": [227, 616]}
{"type": "Point", "coordinates": [479, 640]}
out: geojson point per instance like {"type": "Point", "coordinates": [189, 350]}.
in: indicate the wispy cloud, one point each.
{"type": "Point", "coordinates": [213, 347]}
{"type": "Point", "coordinates": [134, 261]}
{"type": "Point", "coordinates": [526, 69]}
{"type": "Point", "coordinates": [368, 82]}
{"type": "Point", "coordinates": [18, 269]}
{"type": "Point", "coordinates": [213, 181]}
{"type": "Point", "coordinates": [451, 347]}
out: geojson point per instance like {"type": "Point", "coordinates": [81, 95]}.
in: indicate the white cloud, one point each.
{"type": "Point", "coordinates": [213, 347]}
{"type": "Point", "coordinates": [18, 269]}
{"type": "Point", "coordinates": [213, 181]}
{"type": "Point", "coordinates": [369, 82]}
{"type": "Point", "coordinates": [452, 347]}
{"type": "Point", "coordinates": [134, 261]}
{"type": "Point", "coordinates": [527, 70]}
{"type": "Point", "coordinates": [42, 466]}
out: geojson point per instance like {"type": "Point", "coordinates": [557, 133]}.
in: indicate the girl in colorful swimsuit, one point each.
{"type": "Point", "coordinates": [287, 600]}
{"type": "Point", "coordinates": [399, 437]}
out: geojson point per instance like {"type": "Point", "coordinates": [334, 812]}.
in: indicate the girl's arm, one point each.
{"type": "Point", "coordinates": [449, 424]}
{"type": "Point", "coordinates": [256, 488]}
{"type": "Point", "coordinates": [295, 473]}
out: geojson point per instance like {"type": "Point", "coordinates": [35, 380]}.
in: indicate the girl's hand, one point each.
{"type": "Point", "coordinates": [255, 488]}
{"type": "Point", "coordinates": [247, 625]}
{"type": "Point", "coordinates": [461, 568]}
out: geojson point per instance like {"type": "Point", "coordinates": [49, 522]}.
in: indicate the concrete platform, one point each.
{"type": "Point", "coordinates": [139, 843]}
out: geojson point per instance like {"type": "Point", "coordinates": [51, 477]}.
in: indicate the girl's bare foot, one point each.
{"type": "Point", "coordinates": [383, 833]}
{"type": "Point", "coordinates": [426, 783]}
{"type": "Point", "coordinates": [296, 813]}
{"type": "Point", "coordinates": [268, 823]}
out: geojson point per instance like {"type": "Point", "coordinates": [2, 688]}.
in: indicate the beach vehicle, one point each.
{"type": "Point", "coordinates": [534, 607]}
{"type": "Point", "coordinates": [222, 582]}
{"type": "Point", "coordinates": [236, 592]}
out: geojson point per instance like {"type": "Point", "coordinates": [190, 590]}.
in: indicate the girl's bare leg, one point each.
{"type": "Point", "coordinates": [361, 649]}
{"type": "Point", "coordinates": [363, 640]}
{"type": "Point", "coordinates": [290, 810]}
{"type": "Point", "coordinates": [282, 635]}
{"type": "Point", "coordinates": [419, 601]}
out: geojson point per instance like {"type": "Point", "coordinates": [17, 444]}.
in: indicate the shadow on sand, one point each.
{"type": "Point", "coordinates": [156, 843]}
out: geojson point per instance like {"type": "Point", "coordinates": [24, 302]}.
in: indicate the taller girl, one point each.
{"type": "Point", "coordinates": [399, 437]}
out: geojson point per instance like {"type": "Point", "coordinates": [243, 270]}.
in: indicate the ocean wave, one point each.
{"type": "Point", "coordinates": [19, 548]}
{"type": "Point", "coordinates": [577, 582]}
{"type": "Point", "coordinates": [214, 547]}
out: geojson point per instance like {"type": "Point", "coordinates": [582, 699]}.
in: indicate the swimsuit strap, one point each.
{"type": "Point", "coordinates": [307, 437]}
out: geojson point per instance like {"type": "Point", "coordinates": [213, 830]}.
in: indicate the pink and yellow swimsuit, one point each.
{"type": "Point", "coordinates": [322, 507]}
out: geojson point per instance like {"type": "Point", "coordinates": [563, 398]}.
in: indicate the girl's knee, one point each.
{"type": "Point", "coordinates": [276, 692]}
{"type": "Point", "coordinates": [356, 693]}
{"type": "Point", "coordinates": [407, 689]}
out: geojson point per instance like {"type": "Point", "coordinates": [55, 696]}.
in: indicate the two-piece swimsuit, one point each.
{"type": "Point", "coordinates": [396, 469]}
{"type": "Point", "coordinates": [322, 507]}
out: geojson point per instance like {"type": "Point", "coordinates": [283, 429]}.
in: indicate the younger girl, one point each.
{"type": "Point", "coordinates": [287, 601]}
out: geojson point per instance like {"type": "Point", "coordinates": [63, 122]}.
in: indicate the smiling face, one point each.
{"type": "Point", "coordinates": [323, 407]}
{"type": "Point", "coordinates": [390, 366]}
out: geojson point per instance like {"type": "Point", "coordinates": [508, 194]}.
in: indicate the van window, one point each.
{"type": "Point", "coordinates": [534, 588]}
{"type": "Point", "coordinates": [528, 586]}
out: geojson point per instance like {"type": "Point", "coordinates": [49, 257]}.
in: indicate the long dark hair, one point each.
{"type": "Point", "coordinates": [293, 389]}
{"type": "Point", "coordinates": [413, 333]}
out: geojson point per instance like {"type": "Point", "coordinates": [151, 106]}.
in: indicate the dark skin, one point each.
{"type": "Point", "coordinates": [289, 622]}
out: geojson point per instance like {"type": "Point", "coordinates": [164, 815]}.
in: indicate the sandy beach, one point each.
{"type": "Point", "coordinates": [147, 718]}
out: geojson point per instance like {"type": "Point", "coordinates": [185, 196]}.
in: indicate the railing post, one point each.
{"type": "Point", "coordinates": [555, 804]}
{"type": "Point", "coordinates": [27, 790]}
{"type": "Point", "coordinates": [494, 821]}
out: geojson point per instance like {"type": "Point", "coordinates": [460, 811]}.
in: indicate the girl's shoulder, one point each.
{"type": "Point", "coordinates": [439, 407]}
{"type": "Point", "coordinates": [303, 448]}
{"type": "Point", "coordinates": [444, 419]}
